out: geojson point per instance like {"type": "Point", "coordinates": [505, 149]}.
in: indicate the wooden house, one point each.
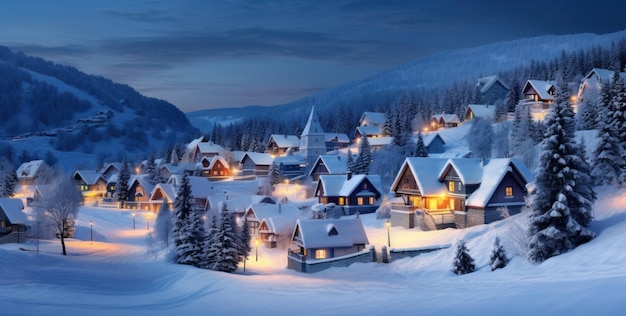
{"type": "Point", "coordinates": [461, 192]}
{"type": "Point", "coordinates": [257, 164]}
{"type": "Point", "coordinates": [318, 241]}
{"type": "Point", "coordinates": [335, 141]}
{"type": "Point", "coordinates": [200, 148]}
{"type": "Point", "coordinates": [372, 119]}
{"type": "Point", "coordinates": [182, 168]}
{"type": "Point", "coordinates": [291, 166]}
{"type": "Point", "coordinates": [201, 188]}
{"type": "Point", "coordinates": [139, 192]}
{"type": "Point", "coordinates": [328, 164]}
{"type": "Point", "coordinates": [256, 213]}
{"type": "Point", "coordinates": [110, 169]}
{"type": "Point", "coordinates": [484, 111]}
{"type": "Point", "coordinates": [13, 221]}
{"type": "Point", "coordinates": [278, 144]}
{"type": "Point", "coordinates": [163, 192]}
{"type": "Point", "coordinates": [368, 131]}
{"type": "Point", "coordinates": [215, 168]}
{"type": "Point", "coordinates": [434, 143]}
{"type": "Point", "coordinates": [538, 97]}
{"type": "Point", "coordinates": [28, 172]}
{"type": "Point", "coordinates": [491, 89]}
{"type": "Point", "coordinates": [592, 83]}
{"type": "Point", "coordinates": [438, 121]}
{"type": "Point", "coordinates": [91, 184]}
{"type": "Point", "coordinates": [351, 193]}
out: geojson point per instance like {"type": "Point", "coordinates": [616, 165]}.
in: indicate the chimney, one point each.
{"type": "Point", "coordinates": [349, 174]}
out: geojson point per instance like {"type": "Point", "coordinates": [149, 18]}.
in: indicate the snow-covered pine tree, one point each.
{"type": "Point", "coordinates": [121, 186]}
{"type": "Point", "coordinates": [387, 126]}
{"type": "Point", "coordinates": [420, 150]}
{"type": "Point", "coordinates": [209, 252]}
{"type": "Point", "coordinates": [617, 122]}
{"type": "Point", "coordinates": [398, 130]}
{"type": "Point", "coordinates": [362, 163]}
{"type": "Point", "coordinates": [245, 238]}
{"type": "Point", "coordinates": [463, 262]}
{"type": "Point", "coordinates": [498, 258]}
{"type": "Point", "coordinates": [163, 226]}
{"type": "Point", "coordinates": [350, 161]}
{"type": "Point", "coordinates": [174, 160]}
{"type": "Point", "coordinates": [185, 235]}
{"type": "Point", "coordinates": [8, 179]}
{"type": "Point", "coordinates": [274, 175]}
{"type": "Point", "coordinates": [225, 248]}
{"type": "Point", "coordinates": [480, 138]}
{"type": "Point", "coordinates": [607, 155]}
{"type": "Point", "coordinates": [153, 171]}
{"type": "Point", "coordinates": [560, 196]}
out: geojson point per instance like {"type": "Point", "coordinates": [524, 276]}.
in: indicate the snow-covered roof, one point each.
{"type": "Point", "coordinates": [237, 155]}
{"type": "Point", "coordinates": [339, 185]}
{"type": "Point", "coordinates": [168, 190]}
{"type": "Point", "coordinates": [210, 148]}
{"type": "Point", "coordinates": [201, 187]}
{"type": "Point", "coordinates": [236, 203]}
{"type": "Point", "coordinates": [337, 137]}
{"type": "Point", "coordinates": [113, 178]}
{"type": "Point", "coordinates": [14, 210]}
{"type": "Point", "coordinates": [541, 87]}
{"type": "Point", "coordinates": [213, 160]}
{"type": "Point", "coordinates": [88, 176]}
{"type": "Point", "coordinates": [335, 164]}
{"type": "Point", "coordinates": [111, 167]}
{"type": "Point", "coordinates": [285, 141]}
{"type": "Point", "coordinates": [194, 143]}
{"type": "Point", "coordinates": [486, 82]}
{"type": "Point", "coordinates": [369, 130]}
{"type": "Point", "coordinates": [487, 111]}
{"type": "Point", "coordinates": [313, 124]}
{"type": "Point", "coordinates": [494, 171]}
{"type": "Point", "coordinates": [28, 170]}
{"type": "Point", "coordinates": [426, 172]}
{"type": "Point", "coordinates": [290, 160]}
{"type": "Point", "coordinates": [446, 118]}
{"type": "Point", "coordinates": [180, 168]}
{"type": "Point", "coordinates": [280, 225]}
{"type": "Point", "coordinates": [380, 141]}
{"type": "Point", "coordinates": [259, 159]}
{"type": "Point", "coordinates": [428, 138]}
{"type": "Point", "coordinates": [601, 74]}
{"type": "Point", "coordinates": [377, 118]}
{"type": "Point", "coordinates": [470, 170]}
{"type": "Point", "coordinates": [143, 180]}
{"type": "Point", "coordinates": [343, 232]}
{"type": "Point", "coordinates": [267, 210]}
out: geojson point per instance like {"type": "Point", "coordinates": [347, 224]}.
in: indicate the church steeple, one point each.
{"type": "Point", "coordinates": [313, 124]}
{"type": "Point", "coordinates": [313, 138]}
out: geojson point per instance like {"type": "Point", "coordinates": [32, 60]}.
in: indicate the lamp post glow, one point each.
{"type": "Point", "coordinates": [134, 221]}
{"type": "Point", "coordinates": [388, 237]}
{"type": "Point", "coordinates": [147, 221]}
{"type": "Point", "coordinates": [91, 230]}
{"type": "Point", "coordinates": [256, 241]}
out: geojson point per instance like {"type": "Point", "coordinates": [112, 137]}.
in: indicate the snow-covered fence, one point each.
{"type": "Point", "coordinates": [396, 254]}
{"type": "Point", "coordinates": [300, 263]}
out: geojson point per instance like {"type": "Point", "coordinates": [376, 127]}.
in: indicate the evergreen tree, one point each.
{"type": "Point", "coordinates": [163, 226]}
{"type": "Point", "coordinates": [350, 162]}
{"type": "Point", "coordinates": [8, 179]}
{"type": "Point", "coordinates": [481, 138]}
{"type": "Point", "coordinates": [463, 262]}
{"type": "Point", "coordinates": [245, 238]}
{"type": "Point", "coordinates": [209, 252]}
{"type": "Point", "coordinates": [153, 171]}
{"type": "Point", "coordinates": [387, 126]}
{"type": "Point", "coordinates": [421, 149]}
{"type": "Point", "coordinates": [225, 248]}
{"type": "Point", "coordinates": [121, 186]}
{"type": "Point", "coordinates": [617, 123]}
{"type": "Point", "coordinates": [362, 163]}
{"type": "Point", "coordinates": [498, 258]}
{"type": "Point", "coordinates": [560, 197]}
{"type": "Point", "coordinates": [186, 234]}
{"type": "Point", "coordinates": [174, 160]}
{"type": "Point", "coordinates": [274, 175]}
{"type": "Point", "coordinates": [607, 156]}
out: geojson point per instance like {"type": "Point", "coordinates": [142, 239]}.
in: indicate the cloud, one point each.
{"type": "Point", "coordinates": [150, 16]}
{"type": "Point", "coordinates": [69, 50]}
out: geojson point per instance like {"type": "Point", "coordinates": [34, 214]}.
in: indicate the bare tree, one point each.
{"type": "Point", "coordinates": [61, 199]}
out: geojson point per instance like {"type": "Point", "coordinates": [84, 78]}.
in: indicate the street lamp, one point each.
{"type": "Point", "coordinates": [256, 241]}
{"type": "Point", "coordinates": [147, 221]}
{"type": "Point", "coordinates": [388, 237]}
{"type": "Point", "coordinates": [134, 221]}
{"type": "Point", "coordinates": [91, 230]}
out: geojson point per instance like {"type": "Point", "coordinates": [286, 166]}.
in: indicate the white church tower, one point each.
{"type": "Point", "coordinates": [313, 139]}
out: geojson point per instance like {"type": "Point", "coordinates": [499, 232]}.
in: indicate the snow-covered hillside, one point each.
{"type": "Point", "coordinates": [437, 70]}
{"type": "Point", "coordinates": [117, 275]}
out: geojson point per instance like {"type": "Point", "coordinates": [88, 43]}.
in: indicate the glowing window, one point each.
{"type": "Point", "coordinates": [508, 191]}
{"type": "Point", "coordinates": [359, 201]}
{"type": "Point", "coordinates": [320, 254]}
{"type": "Point", "coordinates": [451, 186]}
{"type": "Point", "coordinates": [341, 201]}
{"type": "Point", "coordinates": [84, 187]}
{"type": "Point", "coordinates": [371, 200]}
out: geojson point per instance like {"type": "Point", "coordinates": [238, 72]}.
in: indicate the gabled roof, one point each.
{"type": "Point", "coordinates": [335, 164]}
{"type": "Point", "coordinates": [114, 166]}
{"type": "Point", "coordinates": [426, 172]}
{"type": "Point", "coordinates": [266, 210]}
{"type": "Point", "coordinates": [262, 159]}
{"type": "Point", "coordinates": [88, 176]}
{"type": "Point", "coordinates": [494, 171]}
{"type": "Point", "coordinates": [429, 138]}
{"type": "Point", "coordinates": [380, 141]}
{"type": "Point", "coordinates": [377, 118]}
{"type": "Point", "coordinates": [290, 160]}
{"type": "Point", "coordinates": [486, 111]}
{"type": "Point", "coordinates": [470, 170]}
{"type": "Point", "coordinates": [339, 185]}
{"type": "Point", "coordinates": [541, 87]}
{"type": "Point", "coordinates": [13, 208]}
{"type": "Point", "coordinates": [486, 82]}
{"type": "Point", "coordinates": [343, 232]}
{"type": "Point", "coordinates": [201, 187]}
{"type": "Point", "coordinates": [194, 143]}
{"type": "Point", "coordinates": [369, 130]}
{"type": "Point", "coordinates": [143, 180]}
{"type": "Point", "coordinates": [169, 191]}
{"type": "Point", "coordinates": [312, 125]}
{"type": "Point", "coordinates": [604, 75]}
{"type": "Point", "coordinates": [337, 137]}
{"type": "Point", "coordinates": [210, 148]}
{"type": "Point", "coordinates": [180, 168]}
{"type": "Point", "coordinates": [237, 203]}
{"type": "Point", "coordinates": [446, 118]}
{"type": "Point", "coordinates": [280, 225]}
{"type": "Point", "coordinates": [285, 141]}
{"type": "Point", "coordinates": [29, 169]}
{"type": "Point", "coordinates": [214, 160]}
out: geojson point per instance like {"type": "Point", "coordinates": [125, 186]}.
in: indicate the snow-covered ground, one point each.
{"type": "Point", "coordinates": [117, 274]}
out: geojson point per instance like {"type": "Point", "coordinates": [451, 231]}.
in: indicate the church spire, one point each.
{"type": "Point", "coordinates": [313, 124]}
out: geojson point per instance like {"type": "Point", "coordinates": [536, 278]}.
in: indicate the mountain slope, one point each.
{"type": "Point", "coordinates": [57, 111]}
{"type": "Point", "coordinates": [436, 71]}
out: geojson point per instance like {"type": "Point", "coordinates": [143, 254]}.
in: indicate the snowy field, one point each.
{"type": "Point", "coordinates": [116, 274]}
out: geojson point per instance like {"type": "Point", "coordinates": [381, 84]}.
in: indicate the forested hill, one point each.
{"type": "Point", "coordinates": [439, 71]}
{"type": "Point", "coordinates": [50, 109]}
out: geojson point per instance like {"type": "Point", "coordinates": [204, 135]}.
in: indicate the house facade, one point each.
{"type": "Point", "coordinates": [491, 89]}
{"type": "Point", "coordinates": [12, 221]}
{"type": "Point", "coordinates": [257, 164]}
{"type": "Point", "coordinates": [215, 168]}
{"type": "Point", "coordinates": [438, 121]}
{"type": "Point", "coordinates": [91, 184]}
{"type": "Point", "coordinates": [484, 111]}
{"type": "Point", "coordinates": [328, 164]}
{"type": "Point", "coordinates": [351, 193]}
{"type": "Point", "coordinates": [278, 144]}
{"type": "Point", "coordinates": [538, 97]}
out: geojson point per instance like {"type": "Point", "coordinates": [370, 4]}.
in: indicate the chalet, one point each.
{"type": "Point", "coordinates": [255, 213]}
{"type": "Point", "coordinates": [319, 241]}
{"type": "Point", "coordinates": [484, 111]}
{"type": "Point", "coordinates": [491, 89]}
{"type": "Point", "coordinates": [291, 166]}
{"type": "Point", "coordinates": [163, 192]}
{"type": "Point", "coordinates": [276, 231]}
{"type": "Point", "coordinates": [237, 204]}
{"type": "Point", "coordinates": [215, 168]}
{"type": "Point", "coordinates": [139, 192]}
{"type": "Point", "coordinates": [257, 164]}
{"type": "Point", "coordinates": [13, 221]}
{"type": "Point", "coordinates": [199, 148]}
{"type": "Point", "coordinates": [377, 143]}
{"type": "Point", "coordinates": [278, 144]}
{"type": "Point", "coordinates": [438, 121]}
{"type": "Point", "coordinates": [439, 192]}
{"type": "Point", "coordinates": [433, 143]}
{"type": "Point", "coordinates": [593, 82]}
{"type": "Point", "coordinates": [110, 169]}
{"type": "Point", "coordinates": [538, 97]}
{"type": "Point", "coordinates": [29, 171]}
{"type": "Point", "coordinates": [91, 184]}
{"type": "Point", "coordinates": [328, 164]}
{"type": "Point", "coordinates": [368, 131]}
{"type": "Point", "coordinates": [336, 141]}
{"type": "Point", "coordinates": [372, 119]}
{"type": "Point", "coordinates": [357, 193]}
{"type": "Point", "coordinates": [182, 168]}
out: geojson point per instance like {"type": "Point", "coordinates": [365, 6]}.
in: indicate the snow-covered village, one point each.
{"type": "Point", "coordinates": [484, 178]}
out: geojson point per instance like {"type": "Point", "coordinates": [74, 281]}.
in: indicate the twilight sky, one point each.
{"type": "Point", "coordinates": [200, 54]}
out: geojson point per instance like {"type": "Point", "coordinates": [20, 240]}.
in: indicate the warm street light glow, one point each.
{"type": "Point", "coordinates": [134, 221]}
{"type": "Point", "coordinates": [388, 224]}
{"type": "Point", "coordinates": [147, 221]}
{"type": "Point", "coordinates": [256, 241]}
{"type": "Point", "coordinates": [91, 230]}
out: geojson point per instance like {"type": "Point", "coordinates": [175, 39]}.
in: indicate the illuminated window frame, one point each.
{"type": "Point", "coordinates": [508, 192]}
{"type": "Point", "coordinates": [359, 201]}
{"type": "Point", "coordinates": [451, 186]}
{"type": "Point", "coordinates": [321, 254]}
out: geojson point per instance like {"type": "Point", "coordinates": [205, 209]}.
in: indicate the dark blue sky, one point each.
{"type": "Point", "coordinates": [201, 54]}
